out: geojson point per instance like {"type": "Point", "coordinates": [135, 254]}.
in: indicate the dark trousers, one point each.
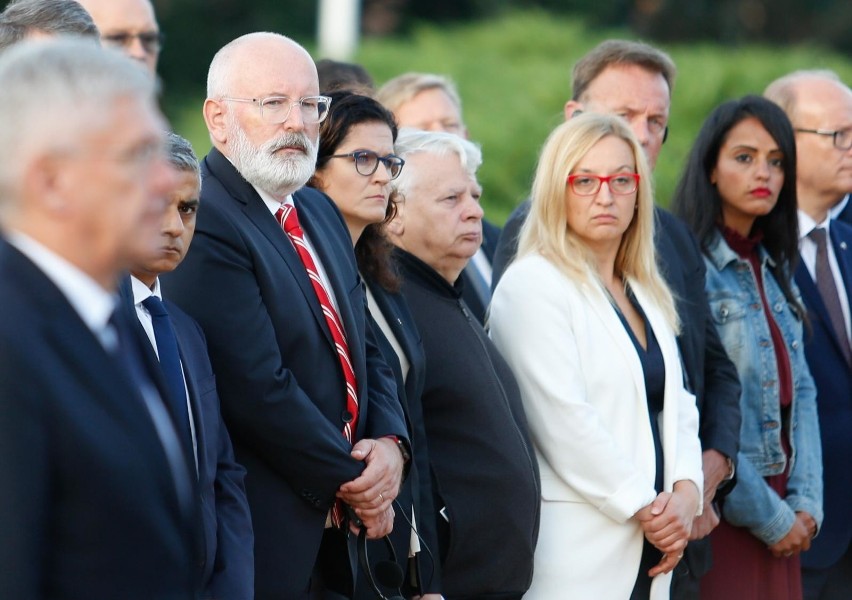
{"type": "Point", "coordinates": [833, 583]}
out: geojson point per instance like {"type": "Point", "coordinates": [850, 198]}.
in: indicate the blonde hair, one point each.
{"type": "Point", "coordinates": [401, 89]}
{"type": "Point", "coordinates": [546, 231]}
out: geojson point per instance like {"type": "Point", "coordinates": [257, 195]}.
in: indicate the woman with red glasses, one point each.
{"type": "Point", "coordinates": [586, 321]}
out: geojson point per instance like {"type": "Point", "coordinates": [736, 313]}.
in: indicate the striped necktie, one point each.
{"type": "Point", "coordinates": [289, 221]}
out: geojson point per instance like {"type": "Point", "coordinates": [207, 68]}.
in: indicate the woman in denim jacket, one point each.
{"type": "Point", "coordinates": [738, 194]}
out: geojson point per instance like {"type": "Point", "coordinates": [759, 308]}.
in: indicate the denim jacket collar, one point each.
{"type": "Point", "coordinates": [721, 254]}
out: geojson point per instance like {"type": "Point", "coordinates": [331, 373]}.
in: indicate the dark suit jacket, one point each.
{"type": "Point", "coordinates": [278, 373]}
{"type": "Point", "coordinates": [833, 379]}
{"type": "Point", "coordinates": [417, 489]}
{"type": "Point", "coordinates": [478, 301]}
{"type": "Point", "coordinates": [846, 214]}
{"type": "Point", "coordinates": [89, 507]}
{"type": "Point", "coordinates": [711, 375]}
{"type": "Point", "coordinates": [226, 561]}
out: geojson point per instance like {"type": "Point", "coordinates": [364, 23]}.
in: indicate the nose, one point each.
{"type": "Point", "coordinates": [640, 128]}
{"type": "Point", "coordinates": [382, 174]}
{"type": "Point", "coordinates": [172, 223]}
{"type": "Point", "coordinates": [763, 169]}
{"type": "Point", "coordinates": [604, 195]}
{"type": "Point", "coordinates": [474, 210]}
{"type": "Point", "coordinates": [294, 120]}
{"type": "Point", "coordinates": [135, 49]}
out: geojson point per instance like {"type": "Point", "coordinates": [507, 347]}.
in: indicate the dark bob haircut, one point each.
{"type": "Point", "coordinates": [697, 201]}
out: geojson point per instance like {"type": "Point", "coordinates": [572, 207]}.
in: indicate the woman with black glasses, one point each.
{"type": "Point", "coordinates": [355, 165]}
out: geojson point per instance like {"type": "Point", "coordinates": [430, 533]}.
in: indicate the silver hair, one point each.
{"type": "Point", "coordinates": [53, 17]}
{"type": "Point", "coordinates": [414, 141]}
{"type": "Point", "coordinates": [181, 155]}
{"type": "Point", "coordinates": [52, 93]}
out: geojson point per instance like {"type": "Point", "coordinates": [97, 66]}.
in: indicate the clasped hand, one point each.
{"type": "Point", "coordinates": [372, 493]}
{"type": "Point", "coordinates": [667, 523]}
{"type": "Point", "coordinates": [798, 539]}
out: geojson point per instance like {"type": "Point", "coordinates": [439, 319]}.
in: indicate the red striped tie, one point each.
{"type": "Point", "coordinates": [289, 221]}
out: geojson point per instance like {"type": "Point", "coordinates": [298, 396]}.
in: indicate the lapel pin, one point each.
{"type": "Point", "coordinates": [843, 245]}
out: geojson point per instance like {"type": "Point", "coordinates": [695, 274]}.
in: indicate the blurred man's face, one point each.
{"type": "Point", "coordinates": [640, 96]}
{"type": "Point", "coordinates": [115, 183]}
{"type": "Point", "coordinates": [129, 26]}
{"type": "Point", "coordinates": [176, 229]}
{"type": "Point", "coordinates": [431, 110]}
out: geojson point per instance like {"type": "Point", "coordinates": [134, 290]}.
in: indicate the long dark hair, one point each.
{"type": "Point", "coordinates": [697, 201]}
{"type": "Point", "coordinates": [373, 250]}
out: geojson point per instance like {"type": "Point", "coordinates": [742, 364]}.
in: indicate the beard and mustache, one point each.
{"type": "Point", "coordinates": [276, 175]}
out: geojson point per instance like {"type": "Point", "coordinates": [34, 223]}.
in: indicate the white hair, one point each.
{"type": "Point", "coordinates": [54, 92]}
{"type": "Point", "coordinates": [414, 141]}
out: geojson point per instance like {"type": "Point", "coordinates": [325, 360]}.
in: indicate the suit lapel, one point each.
{"type": "Point", "coordinates": [606, 312]}
{"type": "Point", "coordinates": [257, 212]}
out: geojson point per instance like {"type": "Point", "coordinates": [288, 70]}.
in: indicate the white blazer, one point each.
{"type": "Point", "coordinates": [583, 389]}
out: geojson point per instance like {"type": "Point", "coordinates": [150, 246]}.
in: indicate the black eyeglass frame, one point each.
{"type": "Point", "coordinates": [389, 160]}
{"type": "Point", "coordinates": [151, 41]}
{"type": "Point", "coordinates": [834, 135]}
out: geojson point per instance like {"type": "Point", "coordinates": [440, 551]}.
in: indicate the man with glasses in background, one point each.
{"type": "Point", "coordinates": [129, 26]}
{"type": "Point", "coordinates": [820, 108]}
{"type": "Point", "coordinates": [271, 277]}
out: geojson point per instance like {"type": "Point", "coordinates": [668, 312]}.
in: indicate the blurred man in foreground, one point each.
{"type": "Point", "coordinates": [98, 494]}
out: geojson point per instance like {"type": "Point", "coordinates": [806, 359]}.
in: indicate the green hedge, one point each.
{"type": "Point", "coordinates": [514, 77]}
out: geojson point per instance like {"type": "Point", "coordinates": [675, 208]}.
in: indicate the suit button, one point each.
{"type": "Point", "coordinates": [346, 416]}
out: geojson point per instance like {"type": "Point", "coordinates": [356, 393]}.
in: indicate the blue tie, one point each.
{"type": "Point", "coordinates": [167, 349]}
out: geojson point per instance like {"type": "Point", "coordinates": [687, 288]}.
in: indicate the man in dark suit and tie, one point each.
{"type": "Point", "coordinates": [820, 107]}
{"type": "Point", "coordinates": [177, 343]}
{"type": "Point", "coordinates": [97, 492]}
{"type": "Point", "coordinates": [635, 80]}
{"type": "Point", "coordinates": [271, 277]}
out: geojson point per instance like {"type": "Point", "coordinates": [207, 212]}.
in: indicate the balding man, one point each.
{"type": "Point", "coordinates": [271, 277]}
{"type": "Point", "coordinates": [820, 107]}
{"type": "Point", "coordinates": [129, 26]}
{"type": "Point", "coordinates": [97, 498]}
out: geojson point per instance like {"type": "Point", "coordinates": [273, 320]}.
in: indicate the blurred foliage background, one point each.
{"type": "Point", "coordinates": [512, 65]}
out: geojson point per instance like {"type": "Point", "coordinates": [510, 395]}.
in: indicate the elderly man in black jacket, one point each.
{"type": "Point", "coordinates": [486, 477]}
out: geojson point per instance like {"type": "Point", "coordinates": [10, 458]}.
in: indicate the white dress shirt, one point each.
{"type": "Point", "coordinates": [88, 299]}
{"type": "Point", "coordinates": [273, 205]}
{"type": "Point", "coordinates": [808, 250]}
{"type": "Point", "coordinates": [142, 292]}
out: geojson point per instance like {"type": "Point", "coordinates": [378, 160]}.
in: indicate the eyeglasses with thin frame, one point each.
{"type": "Point", "coordinates": [151, 41]}
{"type": "Point", "coordinates": [276, 109]}
{"type": "Point", "coordinates": [586, 184]}
{"type": "Point", "coordinates": [842, 138]}
{"type": "Point", "coordinates": [367, 161]}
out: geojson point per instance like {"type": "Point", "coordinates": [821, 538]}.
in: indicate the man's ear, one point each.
{"type": "Point", "coordinates": [396, 227]}
{"type": "Point", "coordinates": [214, 118]}
{"type": "Point", "coordinates": [46, 179]}
{"type": "Point", "coordinates": [572, 109]}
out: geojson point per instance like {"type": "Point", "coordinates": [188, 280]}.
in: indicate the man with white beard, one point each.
{"type": "Point", "coordinates": [311, 407]}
